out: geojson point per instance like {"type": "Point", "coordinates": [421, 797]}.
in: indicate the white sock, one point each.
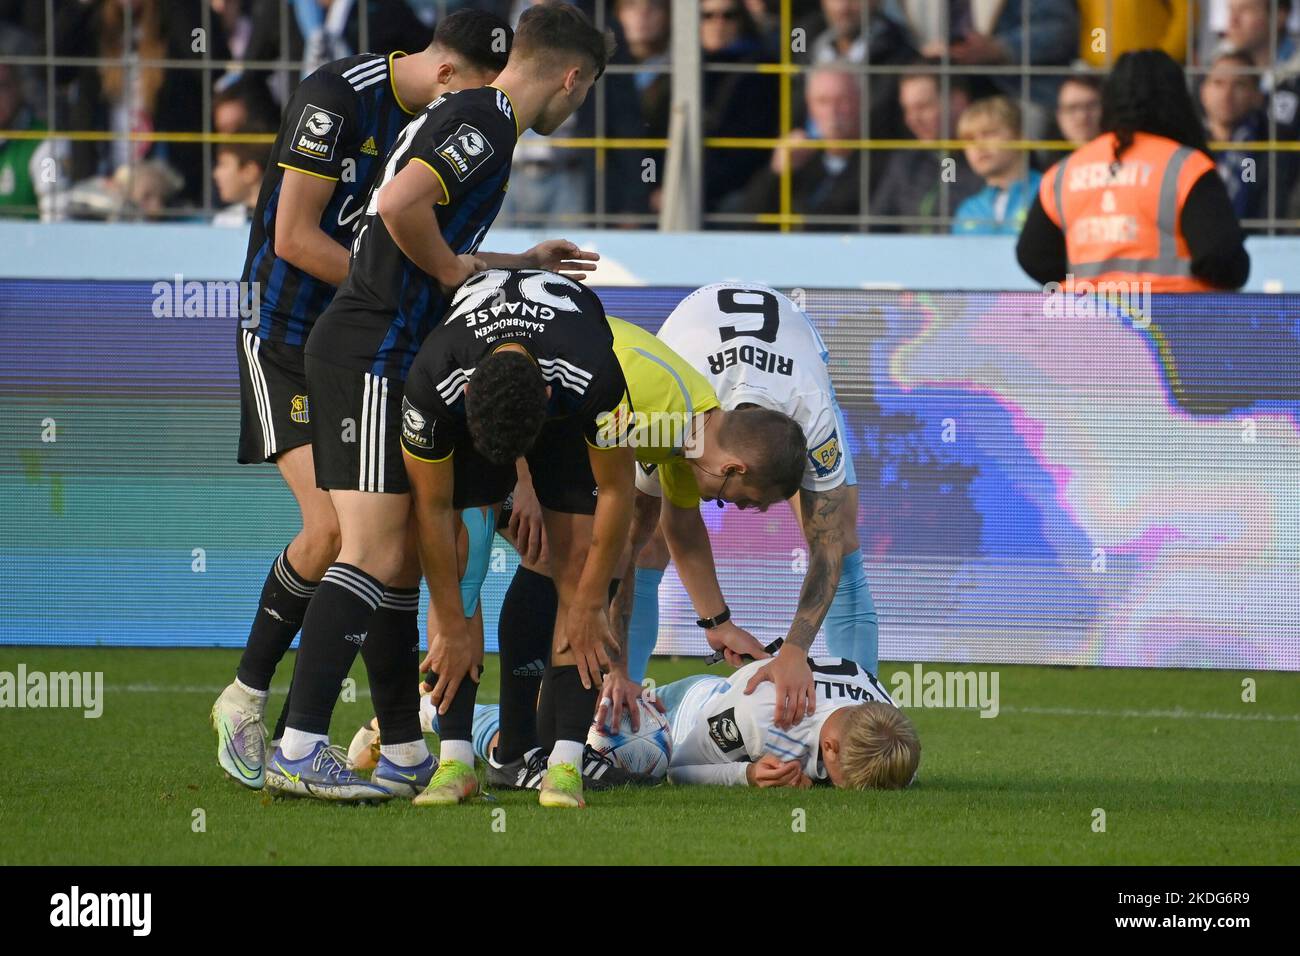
{"type": "Point", "coordinates": [296, 744]}
{"type": "Point", "coordinates": [461, 750]}
{"type": "Point", "coordinates": [406, 755]}
{"type": "Point", "coordinates": [257, 697]}
{"type": "Point", "coordinates": [566, 751]}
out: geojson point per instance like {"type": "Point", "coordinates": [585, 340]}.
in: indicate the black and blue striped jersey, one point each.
{"type": "Point", "coordinates": [388, 304]}
{"type": "Point", "coordinates": [339, 124]}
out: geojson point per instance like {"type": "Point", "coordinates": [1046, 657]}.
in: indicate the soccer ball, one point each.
{"type": "Point", "coordinates": [645, 752]}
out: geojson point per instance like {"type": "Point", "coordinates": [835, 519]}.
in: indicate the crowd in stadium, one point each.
{"type": "Point", "coordinates": [924, 84]}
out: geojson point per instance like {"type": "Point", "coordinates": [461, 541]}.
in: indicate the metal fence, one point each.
{"type": "Point", "coordinates": [679, 159]}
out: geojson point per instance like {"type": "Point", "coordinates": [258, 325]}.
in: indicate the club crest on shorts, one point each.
{"type": "Point", "coordinates": [299, 410]}
{"type": "Point", "coordinates": [826, 457]}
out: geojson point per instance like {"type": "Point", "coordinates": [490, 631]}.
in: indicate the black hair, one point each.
{"type": "Point", "coordinates": [771, 444]}
{"type": "Point", "coordinates": [1090, 80]}
{"type": "Point", "coordinates": [505, 406]}
{"type": "Point", "coordinates": [1146, 92]}
{"type": "Point", "coordinates": [559, 27]}
{"type": "Point", "coordinates": [930, 68]}
{"type": "Point", "coordinates": [483, 39]}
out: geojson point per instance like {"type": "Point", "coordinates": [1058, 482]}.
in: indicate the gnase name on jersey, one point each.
{"type": "Point", "coordinates": [524, 310]}
{"type": "Point", "coordinates": [761, 359]}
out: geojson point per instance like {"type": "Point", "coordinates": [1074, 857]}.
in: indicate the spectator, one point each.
{"type": "Point", "coordinates": [1105, 214]}
{"type": "Point", "coordinates": [735, 104]}
{"type": "Point", "coordinates": [237, 174]}
{"type": "Point", "coordinates": [996, 34]}
{"type": "Point", "coordinates": [242, 104]}
{"type": "Point", "coordinates": [1078, 114]}
{"type": "Point", "coordinates": [637, 104]}
{"type": "Point", "coordinates": [1253, 30]}
{"type": "Point", "coordinates": [924, 184]}
{"type": "Point", "coordinates": [1124, 25]}
{"type": "Point", "coordinates": [837, 35]}
{"type": "Point", "coordinates": [145, 189]}
{"type": "Point", "coordinates": [27, 166]}
{"type": "Point", "coordinates": [127, 97]}
{"type": "Point", "coordinates": [332, 29]}
{"type": "Point", "coordinates": [824, 182]}
{"type": "Point", "coordinates": [1078, 108]}
{"type": "Point", "coordinates": [1234, 112]}
{"type": "Point", "coordinates": [1009, 184]}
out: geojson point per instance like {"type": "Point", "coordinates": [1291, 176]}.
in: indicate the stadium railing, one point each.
{"type": "Point", "coordinates": [687, 101]}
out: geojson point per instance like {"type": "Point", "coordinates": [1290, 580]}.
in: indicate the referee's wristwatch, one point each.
{"type": "Point", "coordinates": [709, 623]}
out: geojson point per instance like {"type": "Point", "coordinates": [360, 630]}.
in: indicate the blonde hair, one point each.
{"type": "Point", "coordinates": [996, 110]}
{"type": "Point", "coordinates": [880, 749]}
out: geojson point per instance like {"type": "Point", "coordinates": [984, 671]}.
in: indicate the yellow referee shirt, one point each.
{"type": "Point", "coordinates": [664, 394]}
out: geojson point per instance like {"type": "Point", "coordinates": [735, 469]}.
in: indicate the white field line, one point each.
{"type": "Point", "coordinates": [1177, 713]}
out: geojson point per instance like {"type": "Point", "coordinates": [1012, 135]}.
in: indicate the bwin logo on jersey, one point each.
{"type": "Point", "coordinates": [415, 427]}
{"type": "Point", "coordinates": [319, 124]}
{"type": "Point", "coordinates": [465, 151]}
{"type": "Point", "coordinates": [724, 732]}
{"type": "Point", "coordinates": [317, 133]}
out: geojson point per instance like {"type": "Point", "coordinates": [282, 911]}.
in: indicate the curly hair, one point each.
{"type": "Point", "coordinates": [1147, 92]}
{"type": "Point", "coordinates": [505, 406]}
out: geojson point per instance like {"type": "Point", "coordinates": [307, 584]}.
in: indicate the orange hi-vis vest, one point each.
{"type": "Point", "coordinates": [1121, 222]}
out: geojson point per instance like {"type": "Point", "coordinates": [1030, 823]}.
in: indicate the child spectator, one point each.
{"type": "Point", "coordinates": [1009, 184]}
{"type": "Point", "coordinates": [238, 177]}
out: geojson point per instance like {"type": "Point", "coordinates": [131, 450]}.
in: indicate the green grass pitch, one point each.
{"type": "Point", "coordinates": [1185, 771]}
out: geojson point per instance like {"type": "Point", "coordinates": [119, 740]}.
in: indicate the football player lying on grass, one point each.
{"type": "Point", "coordinates": [856, 739]}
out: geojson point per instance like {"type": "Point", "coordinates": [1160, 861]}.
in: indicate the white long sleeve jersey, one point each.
{"type": "Point", "coordinates": [754, 345]}
{"type": "Point", "coordinates": [718, 729]}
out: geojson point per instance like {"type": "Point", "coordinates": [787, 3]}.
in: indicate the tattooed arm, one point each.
{"type": "Point", "coordinates": [795, 689]}
{"type": "Point", "coordinates": [822, 527]}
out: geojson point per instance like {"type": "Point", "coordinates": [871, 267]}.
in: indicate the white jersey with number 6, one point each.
{"type": "Point", "coordinates": [756, 346]}
{"type": "Point", "coordinates": [718, 728]}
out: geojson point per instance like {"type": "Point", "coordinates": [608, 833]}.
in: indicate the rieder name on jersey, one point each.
{"type": "Point", "coordinates": [761, 359]}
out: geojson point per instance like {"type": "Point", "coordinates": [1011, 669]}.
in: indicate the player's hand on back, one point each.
{"type": "Point", "coordinates": [735, 643]}
{"type": "Point", "coordinates": [564, 257]}
{"type": "Point", "coordinates": [795, 691]}
{"type": "Point", "coordinates": [467, 266]}
{"type": "Point", "coordinates": [618, 694]}
{"type": "Point", "coordinates": [453, 656]}
{"type": "Point", "coordinates": [770, 771]}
